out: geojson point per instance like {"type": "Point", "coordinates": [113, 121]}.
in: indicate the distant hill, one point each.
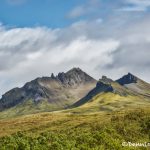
{"type": "Point", "coordinates": [108, 95]}
{"type": "Point", "coordinates": [75, 91]}
{"type": "Point", "coordinates": [49, 93]}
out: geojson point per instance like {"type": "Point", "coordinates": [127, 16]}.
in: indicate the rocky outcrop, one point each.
{"type": "Point", "coordinates": [127, 79]}
{"type": "Point", "coordinates": [106, 80]}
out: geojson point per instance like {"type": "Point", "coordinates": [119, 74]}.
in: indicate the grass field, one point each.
{"type": "Point", "coordinates": [60, 130]}
{"type": "Point", "coordinates": [103, 123]}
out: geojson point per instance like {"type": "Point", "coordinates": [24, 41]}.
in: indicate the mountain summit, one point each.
{"type": "Point", "coordinates": [135, 84]}
{"type": "Point", "coordinates": [50, 93]}
{"type": "Point", "coordinates": [127, 79]}
{"type": "Point", "coordinates": [74, 77]}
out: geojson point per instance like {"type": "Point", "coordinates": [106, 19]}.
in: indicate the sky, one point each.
{"type": "Point", "coordinates": [102, 37]}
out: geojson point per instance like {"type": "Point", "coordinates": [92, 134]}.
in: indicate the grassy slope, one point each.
{"type": "Point", "coordinates": [140, 87]}
{"type": "Point", "coordinates": [29, 107]}
{"type": "Point", "coordinates": [103, 102]}
{"type": "Point", "coordinates": [145, 86]}
{"type": "Point", "coordinates": [108, 102]}
{"type": "Point", "coordinates": [66, 131]}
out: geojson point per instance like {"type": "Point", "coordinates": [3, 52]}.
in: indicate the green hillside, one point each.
{"type": "Point", "coordinates": [55, 131]}
{"type": "Point", "coordinates": [109, 102]}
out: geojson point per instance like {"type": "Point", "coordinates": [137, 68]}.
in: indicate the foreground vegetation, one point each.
{"type": "Point", "coordinates": [56, 131]}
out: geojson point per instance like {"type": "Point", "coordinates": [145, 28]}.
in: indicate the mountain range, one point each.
{"type": "Point", "coordinates": [77, 91]}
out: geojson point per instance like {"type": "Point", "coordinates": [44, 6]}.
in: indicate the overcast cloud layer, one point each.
{"type": "Point", "coordinates": [113, 47]}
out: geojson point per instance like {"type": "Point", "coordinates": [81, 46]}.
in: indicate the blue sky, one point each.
{"type": "Point", "coordinates": [55, 13]}
{"type": "Point", "coordinates": [102, 37]}
{"type": "Point", "coordinates": [51, 13]}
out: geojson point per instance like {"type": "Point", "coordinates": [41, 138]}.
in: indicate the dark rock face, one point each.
{"type": "Point", "coordinates": [51, 88]}
{"type": "Point", "coordinates": [127, 79]}
{"type": "Point", "coordinates": [11, 98]}
{"type": "Point", "coordinates": [34, 90]}
{"type": "Point", "coordinates": [103, 85]}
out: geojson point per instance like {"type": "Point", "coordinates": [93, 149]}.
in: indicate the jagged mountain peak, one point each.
{"type": "Point", "coordinates": [106, 80]}
{"type": "Point", "coordinates": [76, 72]}
{"type": "Point", "coordinates": [75, 69]}
{"type": "Point", "coordinates": [74, 76]}
{"type": "Point", "coordinates": [59, 90]}
{"type": "Point", "coordinates": [127, 79]}
{"type": "Point", "coordinates": [105, 84]}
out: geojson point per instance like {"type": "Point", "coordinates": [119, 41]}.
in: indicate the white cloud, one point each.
{"type": "Point", "coordinates": [139, 2]}
{"type": "Point", "coordinates": [136, 5]}
{"type": "Point", "coordinates": [133, 53]}
{"type": "Point", "coordinates": [88, 8]}
{"type": "Point", "coordinates": [77, 12]}
{"type": "Point", "coordinates": [26, 53]}
{"type": "Point", "coordinates": [111, 47]}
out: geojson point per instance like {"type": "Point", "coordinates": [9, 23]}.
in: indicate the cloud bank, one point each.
{"type": "Point", "coordinates": [95, 46]}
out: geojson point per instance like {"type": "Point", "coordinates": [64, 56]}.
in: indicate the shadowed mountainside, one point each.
{"type": "Point", "coordinates": [108, 95]}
